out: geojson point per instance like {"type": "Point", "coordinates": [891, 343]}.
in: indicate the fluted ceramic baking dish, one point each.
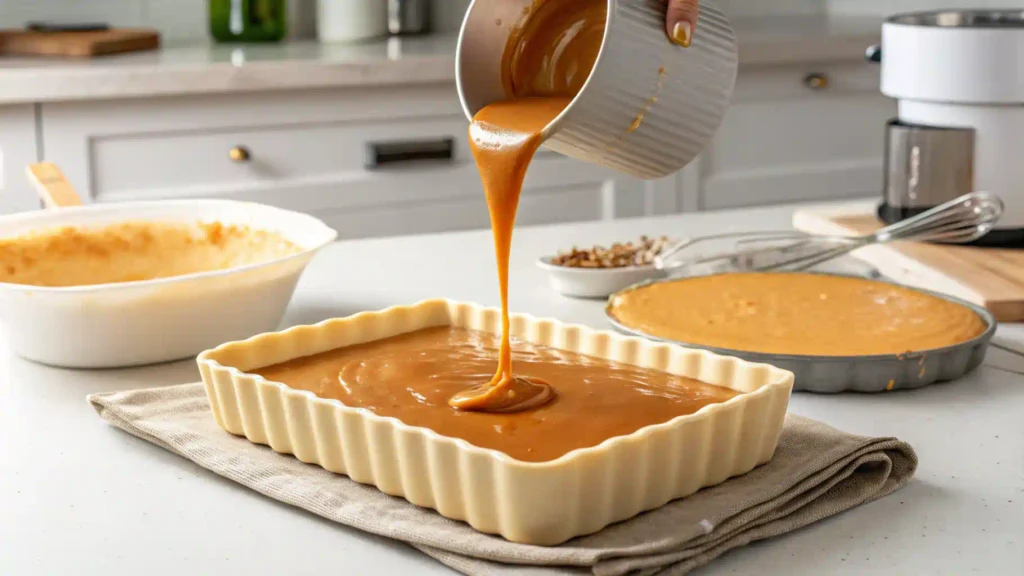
{"type": "Point", "coordinates": [543, 503]}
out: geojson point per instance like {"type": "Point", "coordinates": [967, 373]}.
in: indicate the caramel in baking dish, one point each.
{"type": "Point", "coordinates": [796, 313]}
{"type": "Point", "coordinates": [133, 251]}
{"type": "Point", "coordinates": [553, 401]}
{"type": "Point", "coordinates": [546, 62]}
{"type": "Point", "coordinates": [412, 376]}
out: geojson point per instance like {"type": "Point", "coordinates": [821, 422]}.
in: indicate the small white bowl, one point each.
{"type": "Point", "coordinates": [595, 282]}
{"type": "Point", "coordinates": [135, 323]}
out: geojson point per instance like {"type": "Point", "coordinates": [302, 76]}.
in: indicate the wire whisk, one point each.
{"type": "Point", "coordinates": [958, 221]}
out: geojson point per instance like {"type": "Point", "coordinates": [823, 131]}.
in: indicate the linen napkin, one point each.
{"type": "Point", "coordinates": [817, 472]}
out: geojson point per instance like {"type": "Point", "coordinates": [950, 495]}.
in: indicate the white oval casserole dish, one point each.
{"type": "Point", "coordinates": [543, 503]}
{"type": "Point", "coordinates": [135, 323]}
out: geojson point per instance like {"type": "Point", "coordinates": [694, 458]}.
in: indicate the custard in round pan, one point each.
{"type": "Point", "coordinates": [795, 313]}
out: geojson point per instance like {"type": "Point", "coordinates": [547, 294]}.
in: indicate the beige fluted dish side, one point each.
{"type": "Point", "coordinates": [544, 503]}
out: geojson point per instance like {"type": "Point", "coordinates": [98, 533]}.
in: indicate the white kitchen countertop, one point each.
{"type": "Point", "coordinates": [211, 68]}
{"type": "Point", "coordinates": [78, 496]}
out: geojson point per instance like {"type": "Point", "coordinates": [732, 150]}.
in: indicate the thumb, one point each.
{"type": "Point", "coordinates": [681, 20]}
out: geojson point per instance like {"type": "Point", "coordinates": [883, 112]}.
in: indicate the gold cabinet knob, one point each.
{"type": "Point", "coordinates": [816, 81]}
{"type": "Point", "coordinates": [239, 154]}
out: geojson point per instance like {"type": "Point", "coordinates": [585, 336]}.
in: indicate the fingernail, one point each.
{"type": "Point", "coordinates": [681, 33]}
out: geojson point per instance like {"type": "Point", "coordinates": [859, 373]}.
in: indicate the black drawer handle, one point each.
{"type": "Point", "coordinates": [391, 154]}
{"type": "Point", "coordinates": [873, 53]}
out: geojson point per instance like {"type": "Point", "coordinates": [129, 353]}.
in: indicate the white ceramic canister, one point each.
{"type": "Point", "coordinates": [351, 20]}
{"type": "Point", "coordinates": [649, 106]}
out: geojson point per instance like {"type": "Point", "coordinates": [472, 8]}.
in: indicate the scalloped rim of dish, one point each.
{"type": "Point", "coordinates": [709, 446]}
{"type": "Point", "coordinates": [330, 236]}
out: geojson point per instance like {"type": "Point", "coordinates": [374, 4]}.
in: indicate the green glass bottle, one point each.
{"type": "Point", "coordinates": [247, 20]}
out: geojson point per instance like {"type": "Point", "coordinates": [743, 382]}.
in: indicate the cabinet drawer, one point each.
{"type": "Point", "coordinates": [173, 147]}
{"type": "Point", "coordinates": [537, 206]}
{"type": "Point", "coordinates": [803, 131]}
{"type": "Point", "coordinates": [202, 163]}
{"type": "Point", "coordinates": [803, 115]}
{"type": "Point", "coordinates": [797, 133]}
{"type": "Point", "coordinates": [370, 162]}
{"type": "Point", "coordinates": [762, 83]}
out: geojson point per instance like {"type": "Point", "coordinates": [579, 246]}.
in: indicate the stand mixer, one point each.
{"type": "Point", "coordinates": [958, 78]}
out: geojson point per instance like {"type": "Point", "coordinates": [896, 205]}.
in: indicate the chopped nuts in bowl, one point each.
{"type": "Point", "coordinates": [598, 272]}
{"type": "Point", "coordinates": [620, 255]}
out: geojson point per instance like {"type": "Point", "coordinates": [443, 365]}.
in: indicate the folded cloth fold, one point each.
{"type": "Point", "coordinates": [816, 472]}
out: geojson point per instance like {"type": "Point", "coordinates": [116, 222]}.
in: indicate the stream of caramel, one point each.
{"type": "Point", "coordinates": [546, 63]}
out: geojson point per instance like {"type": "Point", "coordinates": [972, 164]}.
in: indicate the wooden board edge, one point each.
{"type": "Point", "coordinates": [815, 222]}
{"type": "Point", "coordinates": [120, 46]}
{"type": "Point", "coordinates": [1006, 311]}
{"type": "Point", "coordinates": [821, 214]}
{"type": "Point", "coordinates": [896, 265]}
{"type": "Point", "coordinates": [132, 40]}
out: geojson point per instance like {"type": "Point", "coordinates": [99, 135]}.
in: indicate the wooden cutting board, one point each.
{"type": "Point", "coordinates": [77, 44]}
{"type": "Point", "coordinates": [989, 277]}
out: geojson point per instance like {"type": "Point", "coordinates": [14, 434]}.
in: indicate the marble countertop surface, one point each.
{"type": "Point", "coordinates": [211, 68]}
{"type": "Point", "coordinates": [80, 497]}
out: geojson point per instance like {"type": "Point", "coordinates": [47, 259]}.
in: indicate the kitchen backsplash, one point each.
{"type": "Point", "coordinates": [886, 7]}
{"type": "Point", "coordinates": [770, 7]}
{"type": "Point", "coordinates": [185, 20]}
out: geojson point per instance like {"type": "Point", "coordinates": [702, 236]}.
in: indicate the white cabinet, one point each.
{"type": "Point", "coordinates": [369, 162]}
{"type": "Point", "coordinates": [395, 160]}
{"type": "Point", "coordinates": [794, 133]}
{"type": "Point", "coordinates": [17, 149]}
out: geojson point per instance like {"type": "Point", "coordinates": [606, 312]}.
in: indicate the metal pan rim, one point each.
{"type": "Point", "coordinates": [770, 358]}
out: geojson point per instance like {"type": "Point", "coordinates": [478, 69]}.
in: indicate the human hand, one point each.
{"type": "Point", "coordinates": [680, 20]}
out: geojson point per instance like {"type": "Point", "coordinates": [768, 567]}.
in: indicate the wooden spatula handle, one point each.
{"type": "Point", "coordinates": [52, 186]}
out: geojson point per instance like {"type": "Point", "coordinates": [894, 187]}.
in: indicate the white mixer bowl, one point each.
{"type": "Point", "coordinates": [965, 69]}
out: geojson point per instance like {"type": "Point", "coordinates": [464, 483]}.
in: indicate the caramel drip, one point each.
{"type": "Point", "coordinates": [504, 137]}
{"type": "Point", "coordinates": [546, 63]}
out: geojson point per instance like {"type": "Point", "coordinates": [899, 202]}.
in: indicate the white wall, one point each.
{"type": "Point", "coordinates": [177, 19]}
{"type": "Point", "coordinates": [183, 20]}
{"type": "Point", "coordinates": [17, 149]}
{"type": "Point", "coordinates": [887, 7]}
{"type": "Point", "coordinates": [769, 7]}
{"type": "Point", "coordinates": [448, 13]}
{"type": "Point", "coordinates": [186, 20]}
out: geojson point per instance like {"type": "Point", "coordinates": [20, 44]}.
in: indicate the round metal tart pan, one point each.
{"type": "Point", "coordinates": [872, 373]}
